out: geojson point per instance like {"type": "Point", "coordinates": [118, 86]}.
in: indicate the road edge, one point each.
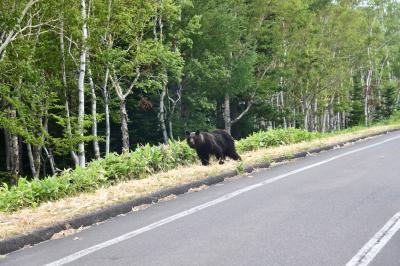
{"type": "Point", "coordinates": [40, 235]}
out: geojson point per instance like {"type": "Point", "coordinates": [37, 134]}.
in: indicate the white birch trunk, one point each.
{"type": "Point", "coordinates": [162, 113]}
{"type": "Point", "coordinates": [107, 110]}
{"type": "Point", "coordinates": [283, 109]}
{"type": "Point", "coordinates": [366, 96]}
{"type": "Point", "coordinates": [74, 157]}
{"type": "Point", "coordinates": [106, 95]}
{"type": "Point", "coordinates": [96, 147]}
{"type": "Point", "coordinates": [81, 85]}
{"type": "Point", "coordinates": [124, 126]}
{"type": "Point", "coordinates": [227, 113]}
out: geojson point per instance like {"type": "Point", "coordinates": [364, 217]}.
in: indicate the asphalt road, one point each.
{"type": "Point", "coordinates": [320, 210]}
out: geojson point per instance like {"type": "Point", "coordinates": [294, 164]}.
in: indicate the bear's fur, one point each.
{"type": "Point", "coordinates": [218, 143]}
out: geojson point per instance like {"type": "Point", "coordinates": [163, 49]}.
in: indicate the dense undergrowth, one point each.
{"type": "Point", "coordinates": [140, 163]}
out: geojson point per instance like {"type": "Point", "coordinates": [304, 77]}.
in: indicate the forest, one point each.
{"type": "Point", "coordinates": [82, 79]}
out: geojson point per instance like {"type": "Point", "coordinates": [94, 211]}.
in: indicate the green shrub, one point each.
{"type": "Point", "coordinates": [277, 137]}
{"type": "Point", "coordinates": [142, 162]}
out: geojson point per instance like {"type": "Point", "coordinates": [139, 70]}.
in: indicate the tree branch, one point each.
{"type": "Point", "coordinates": [133, 83]}
{"type": "Point", "coordinates": [250, 104]}
{"type": "Point", "coordinates": [12, 34]}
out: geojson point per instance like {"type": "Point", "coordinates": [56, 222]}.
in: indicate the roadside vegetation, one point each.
{"type": "Point", "coordinates": [26, 219]}
{"type": "Point", "coordinates": [141, 163]}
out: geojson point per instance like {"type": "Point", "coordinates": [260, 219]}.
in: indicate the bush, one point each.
{"type": "Point", "coordinates": [142, 162]}
{"type": "Point", "coordinates": [277, 137]}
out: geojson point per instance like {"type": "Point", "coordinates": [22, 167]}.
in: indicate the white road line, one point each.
{"type": "Point", "coordinates": [75, 256]}
{"type": "Point", "coordinates": [376, 244]}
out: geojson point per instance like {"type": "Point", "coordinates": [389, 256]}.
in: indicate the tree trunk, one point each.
{"type": "Point", "coordinates": [48, 152]}
{"type": "Point", "coordinates": [227, 113]}
{"type": "Point", "coordinates": [81, 86]}
{"type": "Point", "coordinates": [14, 153]}
{"type": "Point", "coordinates": [331, 118]}
{"type": "Point", "coordinates": [306, 111]}
{"type": "Point", "coordinates": [37, 159]}
{"type": "Point", "coordinates": [105, 92]}
{"type": "Point", "coordinates": [313, 119]}
{"type": "Point", "coordinates": [124, 126]}
{"type": "Point", "coordinates": [31, 160]}
{"type": "Point", "coordinates": [107, 111]}
{"type": "Point", "coordinates": [96, 147]}
{"type": "Point", "coordinates": [34, 160]}
{"type": "Point", "coordinates": [122, 106]}
{"type": "Point", "coordinates": [162, 113]}
{"type": "Point", "coordinates": [324, 121]}
{"type": "Point", "coordinates": [282, 104]}
{"type": "Point", "coordinates": [74, 157]}
{"type": "Point", "coordinates": [173, 108]}
{"type": "Point", "coordinates": [294, 118]}
{"type": "Point", "coordinates": [171, 133]}
{"type": "Point", "coordinates": [366, 96]}
{"type": "Point", "coordinates": [7, 150]}
{"type": "Point", "coordinates": [49, 155]}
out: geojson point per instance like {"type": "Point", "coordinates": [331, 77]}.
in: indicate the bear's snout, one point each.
{"type": "Point", "coordinates": [191, 142]}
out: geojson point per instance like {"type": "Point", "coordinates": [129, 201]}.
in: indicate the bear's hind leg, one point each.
{"type": "Point", "coordinates": [220, 156]}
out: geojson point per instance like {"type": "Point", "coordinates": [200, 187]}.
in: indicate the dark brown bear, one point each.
{"type": "Point", "coordinates": [218, 143]}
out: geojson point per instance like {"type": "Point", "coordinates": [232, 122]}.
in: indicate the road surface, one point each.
{"type": "Point", "coordinates": [337, 208]}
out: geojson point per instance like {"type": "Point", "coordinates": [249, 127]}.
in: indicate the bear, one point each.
{"type": "Point", "coordinates": [218, 143]}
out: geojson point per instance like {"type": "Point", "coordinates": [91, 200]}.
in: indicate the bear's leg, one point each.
{"type": "Point", "coordinates": [205, 159]}
{"type": "Point", "coordinates": [234, 155]}
{"type": "Point", "coordinates": [220, 156]}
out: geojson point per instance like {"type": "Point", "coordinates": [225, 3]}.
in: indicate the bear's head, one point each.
{"type": "Point", "coordinates": [194, 139]}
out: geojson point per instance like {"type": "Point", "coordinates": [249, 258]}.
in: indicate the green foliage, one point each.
{"type": "Point", "coordinates": [388, 105]}
{"type": "Point", "coordinates": [357, 105]}
{"type": "Point", "coordinates": [393, 119]}
{"type": "Point", "coordinates": [277, 137]}
{"type": "Point", "coordinates": [142, 162]}
{"type": "Point", "coordinates": [240, 167]}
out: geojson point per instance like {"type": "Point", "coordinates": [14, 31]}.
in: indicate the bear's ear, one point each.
{"type": "Point", "coordinates": [187, 133]}
{"type": "Point", "coordinates": [197, 132]}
